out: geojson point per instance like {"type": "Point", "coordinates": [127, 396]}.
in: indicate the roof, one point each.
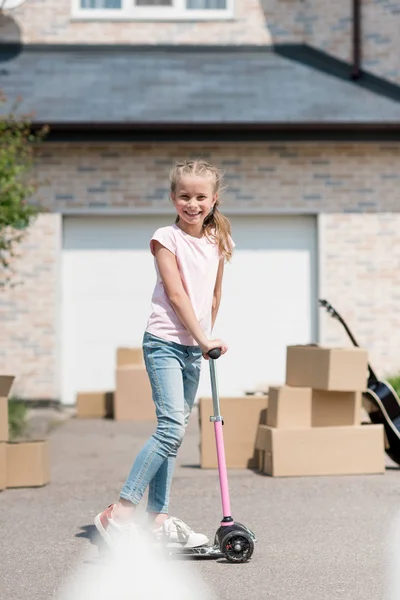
{"type": "Point", "coordinates": [183, 85]}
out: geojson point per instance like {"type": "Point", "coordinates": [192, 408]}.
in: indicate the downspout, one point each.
{"type": "Point", "coordinates": [356, 69]}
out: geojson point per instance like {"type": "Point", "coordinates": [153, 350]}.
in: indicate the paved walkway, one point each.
{"type": "Point", "coordinates": [319, 538]}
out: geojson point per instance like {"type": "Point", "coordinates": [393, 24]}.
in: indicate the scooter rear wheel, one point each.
{"type": "Point", "coordinates": [237, 546]}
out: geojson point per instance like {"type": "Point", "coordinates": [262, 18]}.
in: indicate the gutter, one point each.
{"type": "Point", "coordinates": [356, 67]}
{"type": "Point", "coordinates": [220, 132]}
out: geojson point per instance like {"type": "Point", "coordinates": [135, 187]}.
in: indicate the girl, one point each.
{"type": "Point", "coordinates": [189, 260]}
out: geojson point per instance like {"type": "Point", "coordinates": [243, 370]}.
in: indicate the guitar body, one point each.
{"type": "Point", "coordinates": [384, 408]}
{"type": "Point", "coordinates": [382, 403]}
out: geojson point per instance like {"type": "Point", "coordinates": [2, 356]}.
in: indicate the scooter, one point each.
{"type": "Point", "coordinates": [232, 540]}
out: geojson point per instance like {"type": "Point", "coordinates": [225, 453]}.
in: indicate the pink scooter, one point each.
{"type": "Point", "coordinates": [233, 540]}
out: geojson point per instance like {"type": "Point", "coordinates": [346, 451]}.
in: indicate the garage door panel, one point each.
{"type": "Point", "coordinates": [269, 298]}
{"type": "Point", "coordinates": [95, 327]}
{"type": "Point", "coordinates": [110, 233]}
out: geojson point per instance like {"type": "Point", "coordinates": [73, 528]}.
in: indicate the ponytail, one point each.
{"type": "Point", "coordinates": [217, 227]}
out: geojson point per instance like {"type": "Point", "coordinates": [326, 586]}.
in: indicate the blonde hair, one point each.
{"type": "Point", "coordinates": [216, 226]}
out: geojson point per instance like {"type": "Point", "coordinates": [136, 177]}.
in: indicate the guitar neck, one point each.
{"type": "Point", "coordinates": [351, 336]}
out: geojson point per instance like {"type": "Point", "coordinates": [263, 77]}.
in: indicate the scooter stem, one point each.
{"type": "Point", "coordinates": [219, 440]}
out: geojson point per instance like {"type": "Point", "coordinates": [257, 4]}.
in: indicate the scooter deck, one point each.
{"type": "Point", "coordinates": [200, 551]}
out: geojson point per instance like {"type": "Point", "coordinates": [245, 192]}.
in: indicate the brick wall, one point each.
{"type": "Point", "coordinates": [361, 279]}
{"type": "Point", "coordinates": [328, 26]}
{"type": "Point", "coordinates": [381, 38]}
{"type": "Point", "coordinates": [307, 177]}
{"type": "Point", "coordinates": [286, 19]}
{"type": "Point", "coordinates": [29, 313]}
{"type": "Point", "coordinates": [49, 21]}
{"type": "Point", "coordinates": [353, 185]}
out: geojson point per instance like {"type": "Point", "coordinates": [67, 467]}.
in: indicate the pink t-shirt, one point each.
{"type": "Point", "coordinates": [198, 260]}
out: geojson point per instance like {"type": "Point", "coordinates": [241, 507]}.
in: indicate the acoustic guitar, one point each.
{"type": "Point", "coordinates": [381, 401]}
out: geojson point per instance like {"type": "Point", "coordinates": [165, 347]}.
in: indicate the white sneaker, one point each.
{"type": "Point", "coordinates": [176, 534]}
{"type": "Point", "coordinates": [112, 532]}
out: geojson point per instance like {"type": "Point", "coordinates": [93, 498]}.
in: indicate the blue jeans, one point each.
{"type": "Point", "coordinates": [174, 372]}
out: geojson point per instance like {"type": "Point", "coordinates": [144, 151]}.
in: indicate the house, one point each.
{"type": "Point", "coordinates": [297, 102]}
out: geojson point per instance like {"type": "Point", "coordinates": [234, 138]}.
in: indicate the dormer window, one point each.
{"type": "Point", "coordinates": [153, 10]}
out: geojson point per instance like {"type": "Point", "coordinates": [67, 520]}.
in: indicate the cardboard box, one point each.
{"type": "Point", "coordinates": [6, 382]}
{"type": "Point", "coordinates": [2, 465]}
{"type": "Point", "coordinates": [94, 405]}
{"type": "Point", "coordinates": [336, 408]}
{"type": "Point", "coordinates": [324, 451]}
{"type": "Point", "coordinates": [133, 399]}
{"type": "Point", "coordinates": [129, 356]}
{"type": "Point", "coordinates": [242, 416]}
{"type": "Point", "coordinates": [27, 464]}
{"type": "Point", "coordinates": [289, 407]}
{"type": "Point", "coordinates": [337, 369]}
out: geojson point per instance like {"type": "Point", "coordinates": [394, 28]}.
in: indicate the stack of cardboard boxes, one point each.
{"type": "Point", "coordinates": [22, 463]}
{"type": "Point", "coordinates": [309, 426]}
{"type": "Point", "coordinates": [314, 421]}
{"type": "Point", "coordinates": [132, 398]}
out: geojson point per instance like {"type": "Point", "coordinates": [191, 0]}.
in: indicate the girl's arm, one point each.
{"type": "Point", "coordinates": [217, 291]}
{"type": "Point", "coordinates": [176, 293]}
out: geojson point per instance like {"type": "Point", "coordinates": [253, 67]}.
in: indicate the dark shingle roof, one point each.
{"type": "Point", "coordinates": [180, 85]}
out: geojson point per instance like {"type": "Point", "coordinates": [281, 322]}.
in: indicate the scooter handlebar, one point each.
{"type": "Point", "coordinates": [215, 353]}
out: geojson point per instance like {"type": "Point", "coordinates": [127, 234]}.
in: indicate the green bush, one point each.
{"type": "Point", "coordinates": [17, 418]}
{"type": "Point", "coordinates": [17, 186]}
{"type": "Point", "coordinates": [395, 383]}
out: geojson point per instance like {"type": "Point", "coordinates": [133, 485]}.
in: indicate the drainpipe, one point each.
{"type": "Point", "coordinates": [356, 69]}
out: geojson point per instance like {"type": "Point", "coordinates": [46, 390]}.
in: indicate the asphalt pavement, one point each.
{"type": "Point", "coordinates": [319, 538]}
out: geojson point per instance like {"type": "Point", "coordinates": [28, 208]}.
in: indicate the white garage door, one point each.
{"type": "Point", "coordinates": [269, 298]}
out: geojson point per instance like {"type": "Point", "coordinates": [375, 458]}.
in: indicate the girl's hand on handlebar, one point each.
{"type": "Point", "coordinates": [211, 344]}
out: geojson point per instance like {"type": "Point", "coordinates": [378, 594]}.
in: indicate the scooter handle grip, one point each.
{"type": "Point", "coordinates": [215, 353]}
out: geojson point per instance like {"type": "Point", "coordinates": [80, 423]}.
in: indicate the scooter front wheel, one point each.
{"type": "Point", "coordinates": [237, 546]}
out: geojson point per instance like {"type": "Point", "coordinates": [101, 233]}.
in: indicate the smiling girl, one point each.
{"type": "Point", "coordinates": [189, 260]}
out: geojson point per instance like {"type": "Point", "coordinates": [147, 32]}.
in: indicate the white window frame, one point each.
{"type": "Point", "coordinates": [130, 12]}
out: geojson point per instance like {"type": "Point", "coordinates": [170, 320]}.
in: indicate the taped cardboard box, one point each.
{"type": "Point", "coordinates": [320, 368]}
{"type": "Point", "coordinates": [242, 416]}
{"type": "Point", "coordinates": [133, 399]}
{"type": "Point", "coordinates": [336, 408]}
{"type": "Point", "coordinates": [6, 382]}
{"type": "Point", "coordinates": [27, 464]}
{"type": "Point", "coordinates": [129, 356]}
{"type": "Point", "coordinates": [95, 405]}
{"type": "Point", "coordinates": [353, 450]}
{"type": "Point", "coordinates": [2, 465]}
{"type": "Point", "coordinates": [300, 407]}
{"type": "Point", "coordinates": [289, 407]}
